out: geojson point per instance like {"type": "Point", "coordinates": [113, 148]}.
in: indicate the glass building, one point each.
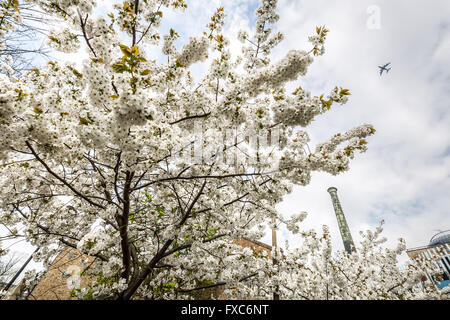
{"type": "Point", "coordinates": [438, 250]}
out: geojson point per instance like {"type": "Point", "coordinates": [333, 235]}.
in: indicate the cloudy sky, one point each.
{"type": "Point", "coordinates": [404, 177]}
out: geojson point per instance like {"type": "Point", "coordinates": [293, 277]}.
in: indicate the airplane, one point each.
{"type": "Point", "coordinates": [384, 68]}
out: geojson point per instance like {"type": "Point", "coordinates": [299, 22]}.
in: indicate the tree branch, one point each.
{"type": "Point", "coordinates": [83, 29]}
{"type": "Point", "coordinates": [122, 221]}
{"type": "Point", "coordinates": [78, 193]}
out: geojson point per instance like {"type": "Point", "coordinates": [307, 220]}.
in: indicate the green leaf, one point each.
{"type": "Point", "coordinates": [75, 72]}
{"type": "Point", "coordinates": [119, 67]}
{"type": "Point", "coordinates": [125, 50]}
{"type": "Point", "coordinates": [173, 33]}
{"type": "Point", "coordinates": [344, 92]}
{"type": "Point", "coordinates": [135, 51]}
{"type": "Point", "coordinates": [37, 110]}
{"type": "Point", "coordinates": [84, 121]}
{"type": "Point", "coordinates": [99, 60]}
{"type": "Point", "coordinates": [179, 64]}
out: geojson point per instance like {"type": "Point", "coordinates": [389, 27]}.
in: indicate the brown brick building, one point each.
{"type": "Point", "coordinates": [58, 280]}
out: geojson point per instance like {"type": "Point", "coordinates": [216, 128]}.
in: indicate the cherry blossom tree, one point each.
{"type": "Point", "coordinates": [371, 272]}
{"type": "Point", "coordinates": [21, 27]}
{"type": "Point", "coordinates": [8, 267]}
{"type": "Point", "coordinates": [153, 173]}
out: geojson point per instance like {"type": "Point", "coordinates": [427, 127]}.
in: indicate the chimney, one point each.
{"type": "Point", "coordinates": [343, 227]}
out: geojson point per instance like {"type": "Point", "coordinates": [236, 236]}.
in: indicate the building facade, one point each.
{"type": "Point", "coordinates": [57, 282]}
{"type": "Point", "coordinates": [438, 251]}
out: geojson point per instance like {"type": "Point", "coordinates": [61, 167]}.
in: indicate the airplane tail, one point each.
{"type": "Point", "coordinates": [387, 70]}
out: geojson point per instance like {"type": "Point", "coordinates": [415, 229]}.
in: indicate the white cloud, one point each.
{"type": "Point", "coordinates": [404, 177]}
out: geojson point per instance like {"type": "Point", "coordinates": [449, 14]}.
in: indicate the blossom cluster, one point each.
{"type": "Point", "coordinates": [194, 51]}
{"type": "Point", "coordinates": [371, 272]}
{"type": "Point", "coordinates": [103, 157]}
{"type": "Point", "coordinates": [319, 40]}
{"type": "Point", "coordinates": [64, 40]}
{"type": "Point", "coordinates": [9, 17]}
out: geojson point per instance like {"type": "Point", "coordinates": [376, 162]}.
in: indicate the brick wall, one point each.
{"type": "Point", "coordinates": [54, 285]}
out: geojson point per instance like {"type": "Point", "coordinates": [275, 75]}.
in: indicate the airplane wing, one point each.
{"type": "Point", "coordinates": [386, 65]}
{"type": "Point", "coordinates": [381, 71]}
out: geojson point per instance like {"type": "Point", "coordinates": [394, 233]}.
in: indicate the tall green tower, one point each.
{"type": "Point", "coordinates": [343, 227]}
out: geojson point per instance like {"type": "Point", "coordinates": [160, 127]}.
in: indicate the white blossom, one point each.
{"type": "Point", "coordinates": [157, 174]}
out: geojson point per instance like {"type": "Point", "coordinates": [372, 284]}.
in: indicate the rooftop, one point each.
{"type": "Point", "coordinates": [442, 237]}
